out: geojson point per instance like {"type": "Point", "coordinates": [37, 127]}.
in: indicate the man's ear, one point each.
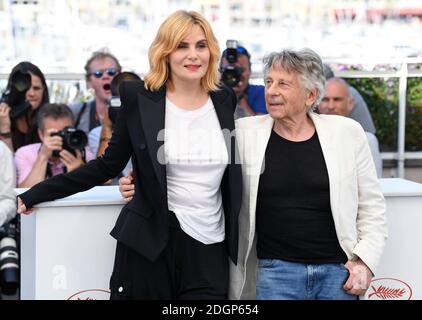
{"type": "Point", "coordinates": [41, 134]}
{"type": "Point", "coordinates": [311, 98]}
{"type": "Point", "coordinates": [350, 104]}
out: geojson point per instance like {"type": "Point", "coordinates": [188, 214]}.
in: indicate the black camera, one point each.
{"type": "Point", "coordinates": [230, 74]}
{"type": "Point", "coordinates": [114, 102]}
{"type": "Point", "coordinates": [9, 257]}
{"type": "Point", "coordinates": [15, 94]}
{"type": "Point", "coordinates": [73, 139]}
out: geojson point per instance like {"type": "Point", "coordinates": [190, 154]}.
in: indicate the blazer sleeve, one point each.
{"type": "Point", "coordinates": [371, 222]}
{"type": "Point", "coordinates": [95, 172]}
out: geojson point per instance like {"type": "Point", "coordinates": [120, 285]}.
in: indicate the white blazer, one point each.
{"type": "Point", "coordinates": [357, 203]}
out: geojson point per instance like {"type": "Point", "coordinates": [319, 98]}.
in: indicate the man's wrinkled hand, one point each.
{"type": "Point", "coordinates": [127, 187]}
{"type": "Point", "coordinates": [359, 279]}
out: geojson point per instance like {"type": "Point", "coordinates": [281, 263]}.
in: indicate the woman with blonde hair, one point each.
{"type": "Point", "coordinates": [175, 235]}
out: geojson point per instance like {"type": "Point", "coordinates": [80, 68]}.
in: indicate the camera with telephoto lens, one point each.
{"type": "Point", "coordinates": [114, 102]}
{"type": "Point", "coordinates": [73, 139]}
{"type": "Point", "coordinates": [9, 257]}
{"type": "Point", "coordinates": [230, 74]}
{"type": "Point", "coordinates": [15, 93]}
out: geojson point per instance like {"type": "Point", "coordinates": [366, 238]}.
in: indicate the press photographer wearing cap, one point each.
{"type": "Point", "coordinates": [63, 149]}
{"type": "Point", "coordinates": [26, 91]}
{"type": "Point", "coordinates": [235, 69]}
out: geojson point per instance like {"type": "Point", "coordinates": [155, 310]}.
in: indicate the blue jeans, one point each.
{"type": "Point", "coordinates": [284, 280]}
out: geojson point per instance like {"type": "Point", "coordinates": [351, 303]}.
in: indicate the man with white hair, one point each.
{"type": "Point", "coordinates": [312, 223]}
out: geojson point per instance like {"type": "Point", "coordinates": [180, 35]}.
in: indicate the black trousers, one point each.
{"type": "Point", "coordinates": [186, 270]}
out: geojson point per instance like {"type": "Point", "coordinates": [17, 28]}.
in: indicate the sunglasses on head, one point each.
{"type": "Point", "coordinates": [99, 73]}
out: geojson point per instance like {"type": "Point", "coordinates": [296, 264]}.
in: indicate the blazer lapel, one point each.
{"type": "Point", "coordinates": [223, 106]}
{"type": "Point", "coordinates": [258, 141]}
{"type": "Point", "coordinates": [224, 109]}
{"type": "Point", "coordinates": [152, 110]}
{"type": "Point", "coordinates": [329, 151]}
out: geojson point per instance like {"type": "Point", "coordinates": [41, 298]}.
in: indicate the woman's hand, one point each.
{"type": "Point", "coordinates": [22, 208]}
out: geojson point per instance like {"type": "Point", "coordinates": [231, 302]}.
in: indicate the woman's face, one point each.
{"type": "Point", "coordinates": [189, 62]}
{"type": "Point", "coordinates": [35, 93]}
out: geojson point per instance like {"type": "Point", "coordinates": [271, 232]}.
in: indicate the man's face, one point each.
{"type": "Point", "coordinates": [243, 64]}
{"type": "Point", "coordinates": [103, 67]}
{"type": "Point", "coordinates": [285, 96]}
{"type": "Point", "coordinates": [56, 124]}
{"type": "Point", "coordinates": [35, 92]}
{"type": "Point", "coordinates": [337, 99]}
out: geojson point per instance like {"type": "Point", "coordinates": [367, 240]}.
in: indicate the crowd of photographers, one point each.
{"type": "Point", "coordinates": [39, 139]}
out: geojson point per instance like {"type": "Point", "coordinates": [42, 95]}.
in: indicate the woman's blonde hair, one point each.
{"type": "Point", "coordinates": [169, 35]}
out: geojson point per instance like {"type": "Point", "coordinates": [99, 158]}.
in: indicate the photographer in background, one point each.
{"type": "Point", "coordinates": [100, 69]}
{"type": "Point", "coordinates": [114, 104]}
{"type": "Point", "coordinates": [26, 91]}
{"type": "Point", "coordinates": [360, 111]}
{"type": "Point", "coordinates": [9, 262]}
{"type": "Point", "coordinates": [61, 150]}
{"type": "Point", "coordinates": [235, 69]}
{"type": "Point", "coordinates": [7, 183]}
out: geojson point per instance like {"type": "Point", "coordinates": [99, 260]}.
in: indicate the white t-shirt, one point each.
{"type": "Point", "coordinates": [196, 158]}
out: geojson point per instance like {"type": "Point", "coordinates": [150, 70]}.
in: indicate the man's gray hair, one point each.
{"type": "Point", "coordinates": [54, 111]}
{"type": "Point", "coordinates": [306, 63]}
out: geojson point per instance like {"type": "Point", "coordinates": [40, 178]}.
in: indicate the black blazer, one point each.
{"type": "Point", "coordinates": [143, 223]}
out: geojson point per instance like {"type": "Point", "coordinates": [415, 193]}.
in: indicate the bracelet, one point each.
{"type": "Point", "coordinates": [6, 134]}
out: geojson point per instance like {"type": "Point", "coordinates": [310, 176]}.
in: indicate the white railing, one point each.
{"type": "Point", "coordinates": [402, 73]}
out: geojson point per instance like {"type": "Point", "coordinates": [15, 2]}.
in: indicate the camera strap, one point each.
{"type": "Point", "coordinates": [93, 120]}
{"type": "Point", "coordinates": [49, 171]}
{"type": "Point", "coordinates": [78, 118]}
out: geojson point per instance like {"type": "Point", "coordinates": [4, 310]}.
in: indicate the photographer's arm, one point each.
{"type": "Point", "coordinates": [243, 103]}
{"type": "Point", "coordinates": [95, 172]}
{"type": "Point", "coordinates": [70, 161]}
{"type": "Point", "coordinates": [38, 171]}
{"type": "Point", "coordinates": [105, 136]}
{"type": "Point", "coordinates": [5, 125]}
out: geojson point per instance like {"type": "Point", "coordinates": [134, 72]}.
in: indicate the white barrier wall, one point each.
{"type": "Point", "coordinates": [399, 276]}
{"type": "Point", "coordinates": [67, 252]}
{"type": "Point", "coordinates": [66, 249]}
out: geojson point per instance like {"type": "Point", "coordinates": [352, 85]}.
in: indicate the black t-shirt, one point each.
{"type": "Point", "coordinates": [293, 216]}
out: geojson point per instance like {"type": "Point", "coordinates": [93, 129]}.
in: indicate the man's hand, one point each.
{"type": "Point", "coordinates": [359, 278]}
{"type": "Point", "coordinates": [243, 103]}
{"type": "Point", "coordinates": [50, 143]}
{"type": "Point", "coordinates": [126, 187]}
{"type": "Point", "coordinates": [70, 161]}
{"type": "Point", "coordinates": [22, 208]}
